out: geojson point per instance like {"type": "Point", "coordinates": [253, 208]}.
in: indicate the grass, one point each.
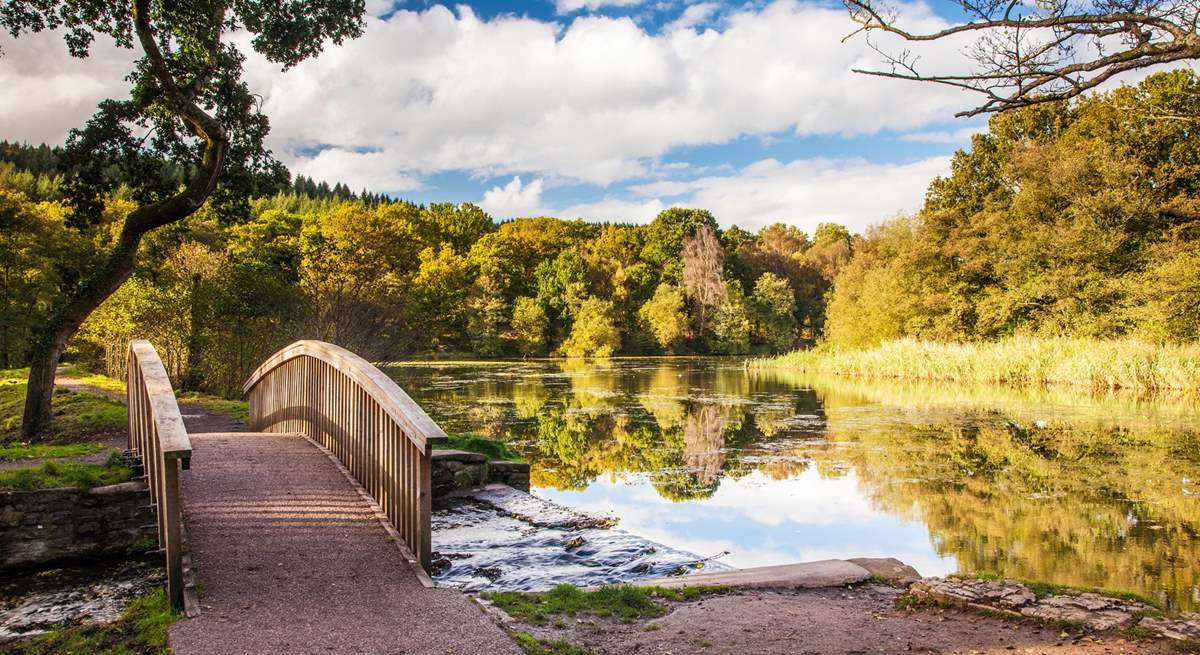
{"type": "Point", "coordinates": [534, 646]}
{"type": "Point", "coordinates": [238, 410]}
{"type": "Point", "coordinates": [77, 416]}
{"type": "Point", "coordinates": [623, 602]}
{"type": "Point", "coordinates": [14, 451]}
{"type": "Point", "coordinates": [56, 475]}
{"type": "Point", "coordinates": [1096, 363]}
{"type": "Point", "coordinates": [141, 630]}
{"type": "Point", "coordinates": [95, 379]}
{"type": "Point", "coordinates": [472, 443]}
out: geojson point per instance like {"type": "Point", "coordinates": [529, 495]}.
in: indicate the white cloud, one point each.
{"type": "Point", "coordinates": [367, 170]}
{"type": "Point", "coordinates": [597, 100]}
{"type": "Point", "coordinates": [959, 136]}
{"type": "Point", "coordinates": [694, 15]}
{"type": "Point", "coordinates": [514, 199]}
{"type": "Point", "coordinates": [570, 6]}
{"type": "Point", "coordinates": [47, 92]}
{"type": "Point", "coordinates": [803, 192]}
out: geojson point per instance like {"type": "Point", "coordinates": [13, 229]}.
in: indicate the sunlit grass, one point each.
{"type": "Point", "coordinates": [56, 475]}
{"type": "Point", "coordinates": [623, 602]}
{"type": "Point", "coordinates": [471, 443]}
{"type": "Point", "coordinates": [18, 451]}
{"type": "Point", "coordinates": [1100, 364]}
{"type": "Point", "coordinates": [76, 416]}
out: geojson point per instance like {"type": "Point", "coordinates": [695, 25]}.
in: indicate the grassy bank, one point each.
{"type": "Point", "coordinates": [1096, 363]}
{"type": "Point", "coordinates": [77, 416]}
{"type": "Point", "coordinates": [56, 475]}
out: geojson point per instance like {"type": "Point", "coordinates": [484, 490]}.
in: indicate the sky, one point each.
{"type": "Point", "coordinates": [608, 110]}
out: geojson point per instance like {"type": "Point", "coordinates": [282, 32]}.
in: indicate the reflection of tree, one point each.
{"type": "Point", "coordinates": [528, 398]}
{"type": "Point", "coordinates": [1091, 507]}
{"type": "Point", "coordinates": [703, 439]}
{"type": "Point", "coordinates": [664, 396]}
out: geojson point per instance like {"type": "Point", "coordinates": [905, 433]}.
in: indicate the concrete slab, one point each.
{"type": "Point", "coordinates": [805, 575]}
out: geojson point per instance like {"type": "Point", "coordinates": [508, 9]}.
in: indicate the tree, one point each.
{"type": "Point", "coordinates": [529, 322]}
{"type": "Point", "coordinates": [593, 333]}
{"type": "Point", "coordinates": [703, 262]}
{"type": "Point", "coordinates": [1028, 53]}
{"type": "Point", "coordinates": [665, 316]}
{"type": "Point", "coordinates": [188, 133]}
{"type": "Point", "coordinates": [731, 324]}
{"type": "Point", "coordinates": [485, 313]}
{"type": "Point", "coordinates": [666, 234]}
{"type": "Point", "coordinates": [773, 305]}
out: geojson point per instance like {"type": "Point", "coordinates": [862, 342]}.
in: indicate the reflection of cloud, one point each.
{"type": "Point", "coordinates": [763, 522]}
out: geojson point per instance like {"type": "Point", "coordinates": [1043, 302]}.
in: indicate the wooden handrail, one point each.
{"type": "Point", "coordinates": [397, 404]}
{"type": "Point", "coordinates": [158, 438]}
{"type": "Point", "coordinates": [342, 402]}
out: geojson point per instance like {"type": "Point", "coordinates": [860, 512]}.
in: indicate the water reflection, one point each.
{"type": "Point", "coordinates": [702, 455]}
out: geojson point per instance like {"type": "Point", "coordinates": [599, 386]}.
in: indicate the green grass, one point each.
{"type": "Point", "coordinates": [239, 410]}
{"type": "Point", "coordinates": [141, 630]}
{"type": "Point", "coordinates": [95, 379]}
{"type": "Point", "coordinates": [623, 602]}
{"type": "Point", "coordinates": [534, 646]}
{"type": "Point", "coordinates": [1096, 363]}
{"type": "Point", "coordinates": [76, 416]}
{"type": "Point", "coordinates": [14, 451]}
{"type": "Point", "coordinates": [55, 475]}
{"type": "Point", "coordinates": [472, 443]}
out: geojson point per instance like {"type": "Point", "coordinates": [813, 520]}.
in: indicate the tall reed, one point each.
{"type": "Point", "coordinates": [1098, 363]}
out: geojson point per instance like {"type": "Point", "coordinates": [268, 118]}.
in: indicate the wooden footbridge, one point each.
{"type": "Point", "coordinates": [311, 532]}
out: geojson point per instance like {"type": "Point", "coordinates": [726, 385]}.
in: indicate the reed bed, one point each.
{"type": "Point", "coordinates": [1097, 363]}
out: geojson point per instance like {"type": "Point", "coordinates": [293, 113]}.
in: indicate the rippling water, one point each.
{"type": "Point", "coordinates": [703, 456]}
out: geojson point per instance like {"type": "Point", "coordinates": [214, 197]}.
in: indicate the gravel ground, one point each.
{"type": "Point", "coordinates": [828, 622]}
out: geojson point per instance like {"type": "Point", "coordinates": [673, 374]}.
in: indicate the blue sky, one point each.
{"type": "Point", "coordinates": [600, 109]}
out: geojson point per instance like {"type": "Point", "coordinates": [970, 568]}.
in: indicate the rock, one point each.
{"type": "Point", "coordinates": [888, 568]}
{"type": "Point", "coordinates": [1185, 627]}
{"type": "Point", "coordinates": [1008, 594]}
{"type": "Point", "coordinates": [1091, 610]}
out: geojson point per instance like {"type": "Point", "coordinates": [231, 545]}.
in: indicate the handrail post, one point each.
{"type": "Point", "coordinates": [424, 525]}
{"type": "Point", "coordinates": [174, 537]}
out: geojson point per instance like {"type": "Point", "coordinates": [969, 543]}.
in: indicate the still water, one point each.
{"type": "Point", "coordinates": [770, 467]}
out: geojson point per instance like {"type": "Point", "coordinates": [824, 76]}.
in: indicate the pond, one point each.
{"type": "Point", "coordinates": [771, 467]}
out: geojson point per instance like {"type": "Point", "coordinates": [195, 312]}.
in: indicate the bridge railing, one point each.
{"type": "Point", "coordinates": [342, 402]}
{"type": "Point", "coordinates": [157, 437]}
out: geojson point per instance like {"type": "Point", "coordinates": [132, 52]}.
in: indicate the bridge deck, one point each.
{"type": "Point", "coordinates": [290, 559]}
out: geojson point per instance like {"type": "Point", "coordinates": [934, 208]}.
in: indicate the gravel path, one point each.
{"type": "Point", "coordinates": [289, 559]}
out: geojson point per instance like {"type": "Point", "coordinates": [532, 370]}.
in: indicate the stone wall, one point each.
{"type": "Point", "coordinates": [52, 525]}
{"type": "Point", "coordinates": [456, 469]}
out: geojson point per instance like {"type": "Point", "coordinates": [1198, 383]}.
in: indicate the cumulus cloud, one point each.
{"type": "Point", "coordinates": [597, 100]}
{"type": "Point", "coordinates": [514, 199]}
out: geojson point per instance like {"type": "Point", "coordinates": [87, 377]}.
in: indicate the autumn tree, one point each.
{"type": "Point", "coordinates": [703, 264]}
{"type": "Point", "coordinates": [665, 316]}
{"type": "Point", "coordinates": [529, 322]}
{"type": "Point", "coordinates": [593, 333]}
{"type": "Point", "coordinates": [188, 133]}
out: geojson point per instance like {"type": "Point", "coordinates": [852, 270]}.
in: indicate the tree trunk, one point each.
{"type": "Point", "coordinates": [64, 322]}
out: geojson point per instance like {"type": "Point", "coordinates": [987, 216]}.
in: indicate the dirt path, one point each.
{"type": "Point", "coordinates": [829, 622]}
